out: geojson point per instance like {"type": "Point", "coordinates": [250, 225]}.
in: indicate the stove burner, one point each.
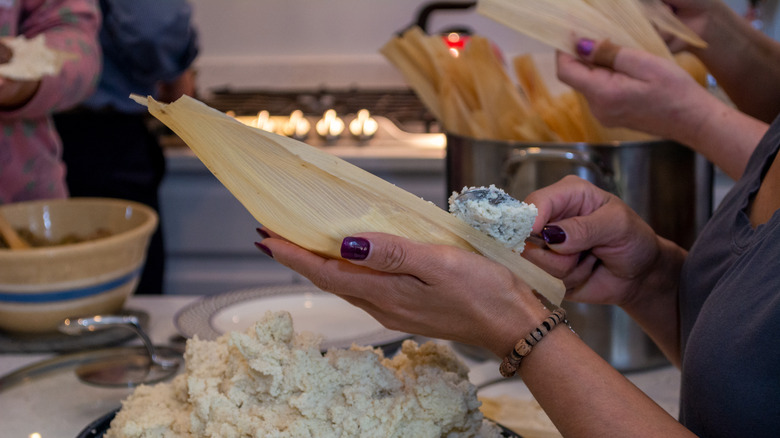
{"type": "Point", "coordinates": [403, 107]}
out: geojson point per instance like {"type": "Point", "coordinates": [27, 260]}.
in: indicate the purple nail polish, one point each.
{"type": "Point", "coordinates": [553, 234]}
{"type": "Point", "coordinates": [263, 233]}
{"type": "Point", "coordinates": [585, 47]}
{"type": "Point", "coordinates": [355, 248]}
{"type": "Point", "coordinates": [264, 248]}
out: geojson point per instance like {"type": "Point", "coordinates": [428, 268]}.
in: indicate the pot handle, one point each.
{"type": "Point", "coordinates": [518, 157]}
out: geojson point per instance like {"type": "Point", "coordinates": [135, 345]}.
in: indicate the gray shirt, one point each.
{"type": "Point", "coordinates": [730, 315]}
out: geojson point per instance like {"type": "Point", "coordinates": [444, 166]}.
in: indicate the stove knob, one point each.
{"type": "Point", "coordinates": [297, 126]}
{"type": "Point", "coordinates": [363, 126]}
{"type": "Point", "coordinates": [330, 126]}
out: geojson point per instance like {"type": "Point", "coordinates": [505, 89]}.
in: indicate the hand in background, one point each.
{"type": "Point", "coordinates": [634, 89]}
{"type": "Point", "coordinates": [183, 85]}
{"type": "Point", "coordinates": [14, 94]}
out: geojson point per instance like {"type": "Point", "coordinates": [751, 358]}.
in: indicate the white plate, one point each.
{"type": "Point", "coordinates": [312, 310]}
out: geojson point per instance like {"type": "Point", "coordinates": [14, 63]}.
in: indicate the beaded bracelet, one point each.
{"type": "Point", "coordinates": [511, 362]}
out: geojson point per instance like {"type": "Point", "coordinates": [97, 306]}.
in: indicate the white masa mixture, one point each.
{"type": "Point", "coordinates": [272, 382]}
{"type": "Point", "coordinates": [496, 214]}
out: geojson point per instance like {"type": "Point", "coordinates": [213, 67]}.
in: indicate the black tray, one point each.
{"type": "Point", "coordinates": [97, 428]}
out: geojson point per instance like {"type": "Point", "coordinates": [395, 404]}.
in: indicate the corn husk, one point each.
{"type": "Point", "coordinates": [32, 59]}
{"type": "Point", "coordinates": [555, 22]}
{"type": "Point", "coordinates": [628, 23]}
{"type": "Point", "coordinates": [470, 94]}
{"type": "Point", "coordinates": [661, 16]}
{"type": "Point", "coordinates": [314, 199]}
{"type": "Point", "coordinates": [630, 15]}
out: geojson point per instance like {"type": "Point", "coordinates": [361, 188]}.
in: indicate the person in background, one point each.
{"type": "Point", "coordinates": [30, 149]}
{"type": "Point", "coordinates": [714, 311]}
{"type": "Point", "coordinates": [109, 149]}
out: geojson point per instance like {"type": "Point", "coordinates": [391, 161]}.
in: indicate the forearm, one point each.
{"type": "Point", "coordinates": [585, 397]}
{"type": "Point", "coordinates": [744, 61]}
{"type": "Point", "coordinates": [722, 134]}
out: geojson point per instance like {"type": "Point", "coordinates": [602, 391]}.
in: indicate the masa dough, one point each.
{"type": "Point", "coordinates": [272, 382]}
{"type": "Point", "coordinates": [496, 214]}
{"type": "Point", "coordinates": [31, 59]}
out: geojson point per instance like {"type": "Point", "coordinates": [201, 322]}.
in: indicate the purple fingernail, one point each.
{"type": "Point", "coordinates": [264, 248]}
{"type": "Point", "coordinates": [585, 47]}
{"type": "Point", "coordinates": [355, 248]}
{"type": "Point", "coordinates": [553, 234]}
{"type": "Point", "coordinates": [263, 233]}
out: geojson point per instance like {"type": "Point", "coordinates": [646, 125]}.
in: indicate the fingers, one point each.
{"type": "Point", "coordinates": [601, 53]}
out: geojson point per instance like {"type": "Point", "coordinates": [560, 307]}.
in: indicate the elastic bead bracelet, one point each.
{"type": "Point", "coordinates": [511, 362]}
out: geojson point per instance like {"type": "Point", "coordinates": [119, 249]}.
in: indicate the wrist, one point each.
{"type": "Point", "coordinates": [520, 318]}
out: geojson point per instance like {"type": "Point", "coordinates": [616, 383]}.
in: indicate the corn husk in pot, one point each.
{"type": "Point", "coordinates": [314, 199]}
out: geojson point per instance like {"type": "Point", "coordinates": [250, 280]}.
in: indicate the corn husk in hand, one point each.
{"type": "Point", "coordinates": [627, 23]}
{"type": "Point", "coordinates": [314, 199]}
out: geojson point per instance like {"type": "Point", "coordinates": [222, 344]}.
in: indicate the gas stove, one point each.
{"type": "Point", "coordinates": [402, 107]}
{"type": "Point", "coordinates": [343, 121]}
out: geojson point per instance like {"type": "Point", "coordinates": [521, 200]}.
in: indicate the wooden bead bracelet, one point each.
{"type": "Point", "coordinates": [511, 362]}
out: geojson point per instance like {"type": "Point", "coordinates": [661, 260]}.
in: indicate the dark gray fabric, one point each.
{"type": "Point", "coordinates": [730, 316]}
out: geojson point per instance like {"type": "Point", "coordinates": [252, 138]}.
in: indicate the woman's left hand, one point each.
{"type": "Point", "coordinates": [432, 290]}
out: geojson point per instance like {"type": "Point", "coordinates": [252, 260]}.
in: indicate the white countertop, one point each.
{"type": "Point", "coordinates": [25, 412]}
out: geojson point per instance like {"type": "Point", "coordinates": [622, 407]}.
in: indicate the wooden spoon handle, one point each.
{"type": "Point", "coordinates": [10, 235]}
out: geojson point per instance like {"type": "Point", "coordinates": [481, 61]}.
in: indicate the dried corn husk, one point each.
{"type": "Point", "coordinates": [630, 15]}
{"type": "Point", "coordinates": [555, 22]}
{"type": "Point", "coordinates": [315, 199]}
{"type": "Point", "coordinates": [627, 23]}
{"type": "Point", "coordinates": [470, 94]}
{"type": "Point", "coordinates": [660, 14]}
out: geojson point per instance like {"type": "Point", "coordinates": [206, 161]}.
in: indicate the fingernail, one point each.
{"type": "Point", "coordinates": [553, 234]}
{"type": "Point", "coordinates": [263, 233]}
{"type": "Point", "coordinates": [355, 248]}
{"type": "Point", "coordinates": [264, 248]}
{"type": "Point", "coordinates": [585, 47]}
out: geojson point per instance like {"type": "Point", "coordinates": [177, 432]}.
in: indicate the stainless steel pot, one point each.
{"type": "Point", "coordinates": [666, 183]}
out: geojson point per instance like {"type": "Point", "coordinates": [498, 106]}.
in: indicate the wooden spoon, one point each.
{"type": "Point", "coordinates": [10, 235]}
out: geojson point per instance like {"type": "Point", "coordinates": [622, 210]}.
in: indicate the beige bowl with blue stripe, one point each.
{"type": "Point", "coordinates": [41, 286]}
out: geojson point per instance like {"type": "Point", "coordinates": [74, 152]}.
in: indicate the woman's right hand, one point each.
{"type": "Point", "coordinates": [602, 250]}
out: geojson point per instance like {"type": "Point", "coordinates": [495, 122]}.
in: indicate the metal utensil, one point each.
{"type": "Point", "coordinates": [124, 370]}
{"type": "Point", "coordinates": [11, 237]}
{"type": "Point", "coordinates": [480, 193]}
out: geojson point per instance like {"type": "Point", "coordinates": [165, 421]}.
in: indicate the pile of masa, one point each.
{"type": "Point", "coordinates": [273, 382]}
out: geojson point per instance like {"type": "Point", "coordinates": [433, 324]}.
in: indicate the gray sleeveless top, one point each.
{"type": "Point", "coordinates": [730, 316]}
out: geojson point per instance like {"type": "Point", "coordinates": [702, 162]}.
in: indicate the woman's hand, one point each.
{"type": "Point", "coordinates": [15, 94]}
{"type": "Point", "coordinates": [432, 290]}
{"type": "Point", "coordinates": [605, 253]}
{"type": "Point", "coordinates": [602, 250]}
{"type": "Point", "coordinates": [647, 93]}
{"type": "Point", "coordinates": [636, 90]}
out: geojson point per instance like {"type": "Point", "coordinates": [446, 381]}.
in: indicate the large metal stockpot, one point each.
{"type": "Point", "coordinates": [666, 183]}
